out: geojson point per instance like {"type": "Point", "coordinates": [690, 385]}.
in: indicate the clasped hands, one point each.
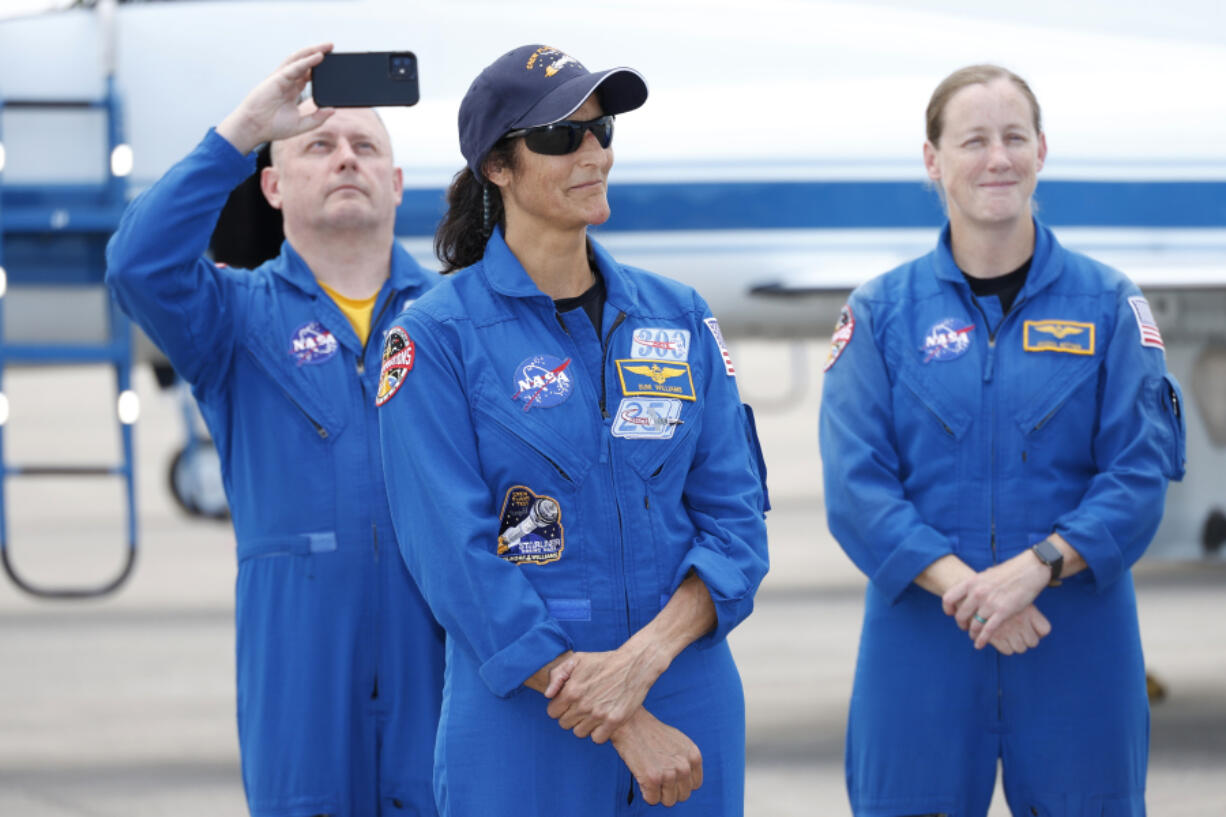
{"type": "Point", "coordinates": [600, 695]}
{"type": "Point", "coordinates": [996, 606]}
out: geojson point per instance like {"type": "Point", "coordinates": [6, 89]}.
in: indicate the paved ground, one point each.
{"type": "Point", "coordinates": [126, 706]}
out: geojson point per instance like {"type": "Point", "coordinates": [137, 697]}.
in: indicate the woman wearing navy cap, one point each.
{"type": "Point", "coordinates": [998, 429]}
{"type": "Point", "coordinates": [575, 483]}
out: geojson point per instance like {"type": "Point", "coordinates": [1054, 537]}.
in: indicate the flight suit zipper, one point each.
{"type": "Point", "coordinates": [604, 362]}
{"type": "Point", "coordinates": [372, 461]}
{"type": "Point", "coordinates": [988, 374]}
{"type": "Point", "coordinates": [608, 441]}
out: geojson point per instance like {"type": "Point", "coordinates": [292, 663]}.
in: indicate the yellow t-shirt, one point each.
{"type": "Point", "coordinates": [357, 310]}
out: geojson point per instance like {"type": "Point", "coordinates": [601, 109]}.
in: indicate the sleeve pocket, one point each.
{"type": "Point", "coordinates": [1174, 430]}
{"type": "Point", "coordinates": [755, 451]}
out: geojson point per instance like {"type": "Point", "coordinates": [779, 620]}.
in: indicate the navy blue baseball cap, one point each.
{"type": "Point", "coordinates": [536, 85]}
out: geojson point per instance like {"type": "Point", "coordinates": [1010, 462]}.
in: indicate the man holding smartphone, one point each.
{"type": "Point", "coordinates": [339, 659]}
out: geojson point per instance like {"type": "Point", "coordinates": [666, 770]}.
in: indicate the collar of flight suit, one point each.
{"type": "Point", "coordinates": [505, 275]}
{"type": "Point", "coordinates": [405, 272]}
{"type": "Point", "coordinates": [1045, 265]}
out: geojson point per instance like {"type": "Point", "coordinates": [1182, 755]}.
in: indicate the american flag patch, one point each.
{"type": "Point", "coordinates": [713, 325]}
{"type": "Point", "coordinates": [1150, 336]}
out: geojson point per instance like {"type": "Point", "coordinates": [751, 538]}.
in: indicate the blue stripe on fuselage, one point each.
{"type": "Point", "coordinates": [865, 204]}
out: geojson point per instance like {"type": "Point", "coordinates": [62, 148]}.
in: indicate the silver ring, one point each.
{"type": "Point", "coordinates": [980, 619]}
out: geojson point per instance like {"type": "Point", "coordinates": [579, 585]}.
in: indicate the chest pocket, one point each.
{"type": "Point", "coordinates": [1067, 395]}
{"type": "Point", "coordinates": [653, 457]}
{"type": "Point", "coordinates": [535, 438]}
{"type": "Point", "coordinates": [305, 385]}
{"type": "Point", "coordinates": [528, 454]}
{"type": "Point", "coordinates": [935, 404]}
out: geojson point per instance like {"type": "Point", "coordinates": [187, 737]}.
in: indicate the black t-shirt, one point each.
{"type": "Point", "coordinates": [592, 302]}
{"type": "Point", "coordinates": [1004, 287]}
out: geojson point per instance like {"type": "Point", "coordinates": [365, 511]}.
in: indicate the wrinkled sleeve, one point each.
{"type": "Point", "coordinates": [445, 519]}
{"type": "Point", "coordinates": [725, 496]}
{"type": "Point", "coordinates": [155, 268]}
{"type": "Point", "coordinates": [866, 507]}
{"type": "Point", "coordinates": [1139, 445]}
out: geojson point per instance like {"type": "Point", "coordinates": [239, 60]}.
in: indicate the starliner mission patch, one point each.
{"type": "Point", "coordinates": [531, 528]}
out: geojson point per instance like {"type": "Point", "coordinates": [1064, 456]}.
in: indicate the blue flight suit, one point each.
{"type": "Point", "coordinates": [646, 464]}
{"type": "Point", "coordinates": [949, 429]}
{"type": "Point", "coordinates": [339, 660]}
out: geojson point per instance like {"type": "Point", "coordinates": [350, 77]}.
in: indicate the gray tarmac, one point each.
{"type": "Point", "coordinates": [125, 705]}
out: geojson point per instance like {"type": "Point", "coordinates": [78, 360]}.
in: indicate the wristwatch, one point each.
{"type": "Point", "coordinates": [1051, 556]}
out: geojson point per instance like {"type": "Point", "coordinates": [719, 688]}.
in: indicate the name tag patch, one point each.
{"type": "Point", "coordinates": [652, 379]}
{"type": "Point", "coordinates": [660, 343]}
{"type": "Point", "coordinates": [541, 381]}
{"type": "Point", "coordinates": [646, 418]}
{"type": "Point", "coordinates": [311, 344]}
{"type": "Point", "coordinates": [531, 528]}
{"type": "Point", "coordinates": [1070, 337]}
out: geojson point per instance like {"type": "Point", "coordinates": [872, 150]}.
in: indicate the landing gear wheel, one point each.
{"type": "Point", "coordinates": [1213, 534]}
{"type": "Point", "coordinates": [194, 478]}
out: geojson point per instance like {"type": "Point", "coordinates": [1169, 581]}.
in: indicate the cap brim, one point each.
{"type": "Point", "coordinates": [621, 90]}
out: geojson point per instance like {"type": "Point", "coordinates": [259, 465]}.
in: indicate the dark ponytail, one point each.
{"type": "Point", "coordinates": [461, 236]}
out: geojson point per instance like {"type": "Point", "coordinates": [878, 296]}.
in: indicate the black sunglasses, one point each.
{"type": "Point", "coordinates": [564, 137]}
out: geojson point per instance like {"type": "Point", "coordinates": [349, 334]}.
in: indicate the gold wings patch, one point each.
{"type": "Point", "coordinates": [656, 372]}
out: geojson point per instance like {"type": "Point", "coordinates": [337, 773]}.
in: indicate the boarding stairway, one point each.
{"type": "Point", "coordinates": [53, 239]}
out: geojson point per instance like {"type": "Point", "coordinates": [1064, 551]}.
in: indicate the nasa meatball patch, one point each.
{"type": "Point", "coordinates": [542, 381]}
{"type": "Point", "coordinates": [530, 528]}
{"type": "Point", "coordinates": [312, 343]}
{"type": "Point", "coordinates": [398, 354]}
{"type": "Point", "coordinates": [947, 340]}
{"type": "Point", "coordinates": [844, 328]}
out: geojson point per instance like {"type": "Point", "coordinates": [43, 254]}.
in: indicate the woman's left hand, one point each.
{"type": "Point", "coordinates": [594, 693]}
{"type": "Point", "coordinates": [982, 603]}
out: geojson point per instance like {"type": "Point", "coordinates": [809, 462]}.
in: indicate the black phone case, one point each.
{"type": "Point", "coordinates": [363, 80]}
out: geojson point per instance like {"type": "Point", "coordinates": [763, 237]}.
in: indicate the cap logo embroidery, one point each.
{"type": "Point", "coordinates": [553, 60]}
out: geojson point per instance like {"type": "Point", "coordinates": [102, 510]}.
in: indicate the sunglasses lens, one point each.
{"type": "Point", "coordinates": [602, 129]}
{"type": "Point", "coordinates": [554, 140]}
{"type": "Point", "coordinates": [566, 137]}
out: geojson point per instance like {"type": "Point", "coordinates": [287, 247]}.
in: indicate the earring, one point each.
{"type": "Point", "coordinates": [485, 208]}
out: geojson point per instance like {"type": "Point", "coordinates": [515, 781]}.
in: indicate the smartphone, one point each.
{"type": "Point", "coordinates": [365, 80]}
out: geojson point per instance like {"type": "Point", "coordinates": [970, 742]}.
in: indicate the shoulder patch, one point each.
{"type": "Point", "coordinates": [1146, 325]}
{"type": "Point", "coordinates": [398, 355]}
{"type": "Point", "coordinates": [844, 328]}
{"type": "Point", "coordinates": [713, 325]}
